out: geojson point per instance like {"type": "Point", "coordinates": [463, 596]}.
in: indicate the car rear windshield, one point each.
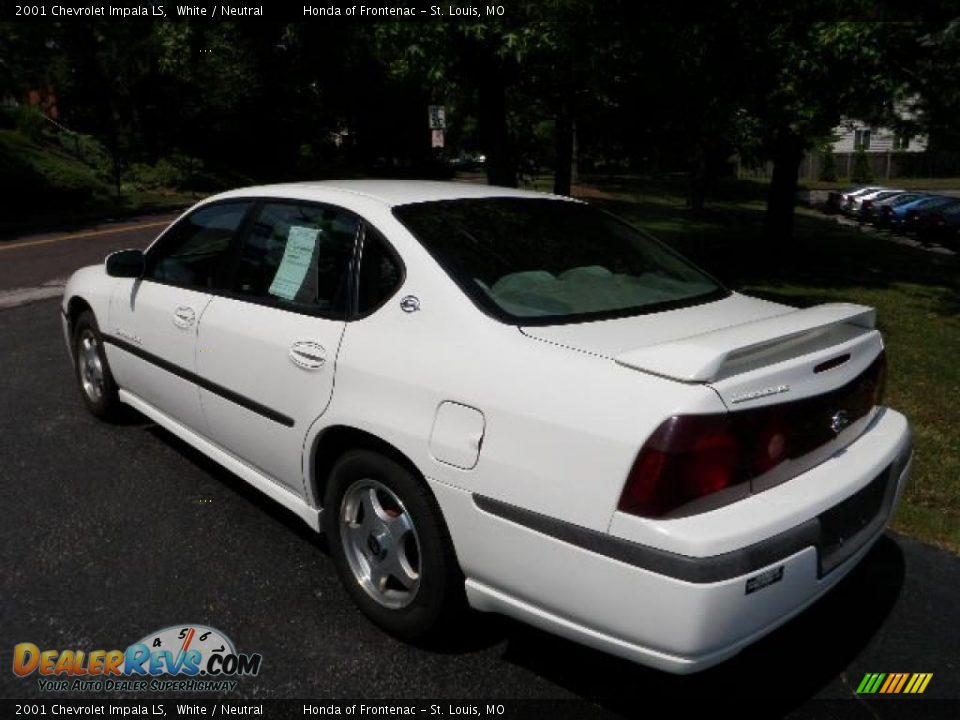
{"type": "Point", "coordinates": [542, 261]}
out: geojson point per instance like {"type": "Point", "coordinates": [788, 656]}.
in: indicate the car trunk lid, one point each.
{"type": "Point", "coordinates": [798, 384]}
{"type": "Point", "coordinates": [752, 353]}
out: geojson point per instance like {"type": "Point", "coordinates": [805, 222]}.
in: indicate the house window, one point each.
{"type": "Point", "coordinates": [861, 139]}
{"type": "Point", "coordinates": [901, 142]}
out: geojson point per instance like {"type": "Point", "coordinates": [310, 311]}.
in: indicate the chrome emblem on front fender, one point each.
{"type": "Point", "coordinates": [839, 421]}
{"type": "Point", "coordinates": [127, 336]}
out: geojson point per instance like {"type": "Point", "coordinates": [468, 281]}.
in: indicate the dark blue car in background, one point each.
{"type": "Point", "coordinates": [906, 217]}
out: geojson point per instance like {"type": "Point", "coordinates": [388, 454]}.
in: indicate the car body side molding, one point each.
{"type": "Point", "coordinates": [192, 377]}
{"type": "Point", "coordinates": [713, 568]}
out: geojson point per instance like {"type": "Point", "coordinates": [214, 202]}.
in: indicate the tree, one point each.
{"type": "Point", "coordinates": [936, 93]}
{"type": "Point", "coordinates": [810, 74]}
{"type": "Point", "coordinates": [539, 61]}
{"type": "Point", "coordinates": [828, 163]}
{"type": "Point", "coordinates": [862, 172]}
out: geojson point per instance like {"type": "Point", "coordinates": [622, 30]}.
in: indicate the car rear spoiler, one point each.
{"type": "Point", "coordinates": [721, 353]}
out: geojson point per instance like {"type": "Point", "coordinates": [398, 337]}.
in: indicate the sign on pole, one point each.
{"type": "Point", "coordinates": [438, 117]}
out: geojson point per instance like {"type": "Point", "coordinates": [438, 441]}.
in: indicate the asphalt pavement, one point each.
{"type": "Point", "coordinates": [111, 531]}
{"type": "Point", "coordinates": [35, 266]}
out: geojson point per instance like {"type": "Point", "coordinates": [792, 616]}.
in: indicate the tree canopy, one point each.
{"type": "Point", "coordinates": [547, 86]}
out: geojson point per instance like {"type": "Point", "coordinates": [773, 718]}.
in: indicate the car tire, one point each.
{"type": "Point", "coordinates": [97, 386]}
{"type": "Point", "coordinates": [391, 547]}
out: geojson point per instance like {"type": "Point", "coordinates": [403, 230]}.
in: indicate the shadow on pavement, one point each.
{"type": "Point", "coordinates": [235, 484]}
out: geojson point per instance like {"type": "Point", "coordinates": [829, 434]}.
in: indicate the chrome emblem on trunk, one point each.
{"type": "Point", "coordinates": [757, 394]}
{"type": "Point", "coordinates": [839, 421]}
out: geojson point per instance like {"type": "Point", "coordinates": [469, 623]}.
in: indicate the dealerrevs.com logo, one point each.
{"type": "Point", "coordinates": [182, 658]}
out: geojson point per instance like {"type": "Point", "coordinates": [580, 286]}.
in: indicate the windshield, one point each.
{"type": "Point", "coordinates": [543, 261]}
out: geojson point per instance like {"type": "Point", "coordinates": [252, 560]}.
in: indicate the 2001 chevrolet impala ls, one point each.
{"type": "Point", "coordinates": [509, 400]}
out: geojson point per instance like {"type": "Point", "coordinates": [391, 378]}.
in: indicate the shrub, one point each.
{"type": "Point", "coordinates": [828, 164]}
{"type": "Point", "coordinates": [29, 121]}
{"type": "Point", "coordinates": [862, 170]}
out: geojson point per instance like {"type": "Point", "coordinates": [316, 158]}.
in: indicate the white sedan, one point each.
{"type": "Point", "coordinates": [510, 401]}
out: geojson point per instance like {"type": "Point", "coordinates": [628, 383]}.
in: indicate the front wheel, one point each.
{"type": "Point", "coordinates": [391, 547]}
{"type": "Point", "coordinates": [97, 387]}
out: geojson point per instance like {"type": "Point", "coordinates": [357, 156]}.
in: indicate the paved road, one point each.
{"type": "Point", "coordinates": [36, 266]}
{"type": "Point", "coordinates": [108, 532]}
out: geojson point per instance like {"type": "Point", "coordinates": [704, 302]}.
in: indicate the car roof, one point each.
{"type": "Point", "coordinates": [386, 192]}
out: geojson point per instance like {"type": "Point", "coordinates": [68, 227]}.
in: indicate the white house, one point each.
{"type": "Point", "coordinates": [853, 135]}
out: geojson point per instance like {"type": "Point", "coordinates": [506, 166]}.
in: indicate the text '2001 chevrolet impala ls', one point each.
{"type": "Point", "coordinates": [511, 401]}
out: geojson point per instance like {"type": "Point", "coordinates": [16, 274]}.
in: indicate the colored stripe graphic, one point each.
{"type": "Point", "coordinates": [894, 683]}
{"type": "Point", "coordinates": [903, 679]}
{"type": "Point", "coordinates": [865, 683]}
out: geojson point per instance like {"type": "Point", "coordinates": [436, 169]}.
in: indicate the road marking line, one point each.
{"type": "Point", "coordinates": [77, 236]}
{"type": "Point", "coordinates": [22, 296]}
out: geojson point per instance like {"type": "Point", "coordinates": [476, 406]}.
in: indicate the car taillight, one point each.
{"type": "Point", "coordinates": [692, 456]}
{"type": "Point", "coordinates": [688, 457]}
{"type": "Point", "coordinates": [936, 219]}
{"type": "Point", "coordinates": [867, 204]}
{"type": "Point", "coordinates": [912, 214]}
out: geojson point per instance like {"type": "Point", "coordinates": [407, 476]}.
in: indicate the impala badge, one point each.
{"type": "Point", "coordinates": [410, 304]}
{"type": "Point", "coordinates": [839, 421]}
{"type": "Point", "coordinates": [757, 394]}
{"type": "Point", "coordinates": [126, 336]}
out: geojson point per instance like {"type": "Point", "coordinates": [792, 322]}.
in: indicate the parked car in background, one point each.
{"type": "Point", "coordinates": [837, 198]}
{"type": "Point", "coordinates": [891, 211]}
{"type": "Point", "coordinates": [847, 199]}
{"type": "Point", "coordinates": [867, 210]}
{"type": "Point", "coordinates": [834, 201]}
{"type": "Point", "coordinates": [856, 202]}
{"type": "Point", "coordinates": [915, 220]}
{"type": "Point", "coordinates": [510, 400]}
{"type": "Point", "coordinates": [941, 225]}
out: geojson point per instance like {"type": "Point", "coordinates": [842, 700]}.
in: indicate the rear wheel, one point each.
{"type": "Point", "coordinates": [97, 387]}
{"type": "Point", "coordinates": [391, 546]}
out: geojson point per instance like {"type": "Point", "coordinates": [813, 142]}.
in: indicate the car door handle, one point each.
{"type": "Point", "coordinates": [184, 317]}
{"type": "Point", "coordinates": [308, 355]}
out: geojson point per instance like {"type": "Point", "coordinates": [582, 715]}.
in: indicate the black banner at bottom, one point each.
{"type": "Point", "coordinates": [890, 709]}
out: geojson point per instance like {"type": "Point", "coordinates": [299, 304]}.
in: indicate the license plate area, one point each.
{"type": "Point", "coordinates": [844, 528]}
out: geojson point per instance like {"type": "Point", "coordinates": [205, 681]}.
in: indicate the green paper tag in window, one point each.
{"type": "Point", "coordinates": [297, 260]}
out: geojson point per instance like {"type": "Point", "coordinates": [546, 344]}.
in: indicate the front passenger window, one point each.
{"type": "Point", "coordinates": [193, 252]}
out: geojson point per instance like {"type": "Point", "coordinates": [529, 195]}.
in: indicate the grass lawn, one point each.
{"type": "Point", "coordinates": [916, 294]}
{"type": "Point", "coordinates": [130, 204]}
{"type": "Point", "coordinates": [46, 187]}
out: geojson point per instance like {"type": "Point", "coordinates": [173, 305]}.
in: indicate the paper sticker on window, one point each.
{"type": "Point", "coordinates": [296, 262]}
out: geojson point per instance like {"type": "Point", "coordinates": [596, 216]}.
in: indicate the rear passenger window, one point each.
{"type": "Point", "coordinates": [380, 272]}
{"type": "Point", "coordinates": [298, 255]}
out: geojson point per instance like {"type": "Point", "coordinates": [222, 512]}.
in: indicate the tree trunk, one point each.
{"type": "Point", "coordinates": [575, 160]}
{"type": "Point", "coordinates": [492, 96]}
{"type": "Point", "coordinates": [563, 136]}
{"type": "Point", "coordinates": [778, 221]}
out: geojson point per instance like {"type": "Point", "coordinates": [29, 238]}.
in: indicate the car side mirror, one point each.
{"type": "Point", "coordinates": [126, 264]}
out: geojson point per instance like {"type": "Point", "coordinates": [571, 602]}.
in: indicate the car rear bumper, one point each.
{"type": "Point", "coordinates": [678, 612]}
